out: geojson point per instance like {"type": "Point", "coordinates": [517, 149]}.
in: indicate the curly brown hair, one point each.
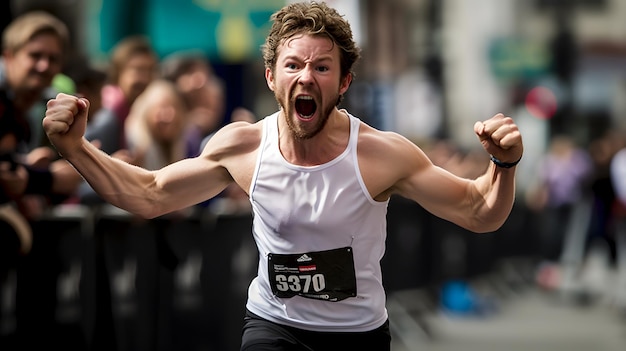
{"type": "Point", "coordinates": [314, 18]}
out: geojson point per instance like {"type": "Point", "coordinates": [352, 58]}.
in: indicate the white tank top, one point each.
{"type": "Point", "coordinates": [302, 210]}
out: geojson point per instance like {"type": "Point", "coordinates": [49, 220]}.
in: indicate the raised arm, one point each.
{"type": "Point", "coordinates": [479, 205]}
{"type": "Point", "coordinates": [139, 191]}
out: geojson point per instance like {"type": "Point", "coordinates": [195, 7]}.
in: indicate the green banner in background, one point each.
{"type": "Point", "coordinates": [513, 59]}
{"type": "Point", "coordinates": [231, 31]}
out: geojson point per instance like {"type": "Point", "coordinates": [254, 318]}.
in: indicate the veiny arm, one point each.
{"type": "Point", "coordinates": [145, 193]}
{"type": "Point", "coordinates": [479, 205]}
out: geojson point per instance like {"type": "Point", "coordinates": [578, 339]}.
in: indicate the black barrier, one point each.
{"type": "Point", "coordinates": [184, 250]}
{"type": "Point", "coordinates": [9, 260]}
{"type": "Point", "coordinates": [237, 258]}
{"type": "Point", "coordinates": [54, 282]}
{"type": "Point", "coordinates": [131, 262]}
{"type": "Point", "coordinates": [98, 278]}
{"type": "Point", "coordinates": [408, 260]}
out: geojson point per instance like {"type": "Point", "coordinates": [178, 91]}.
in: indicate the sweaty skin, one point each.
{"type": "Point", "coordinates": [390, 163]}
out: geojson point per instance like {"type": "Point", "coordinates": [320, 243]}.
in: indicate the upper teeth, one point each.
{"type": "Point", "coordinates": [305, 97]}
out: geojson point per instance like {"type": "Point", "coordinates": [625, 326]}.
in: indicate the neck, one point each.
{"type": "Point", "coordinates": [329, 143]}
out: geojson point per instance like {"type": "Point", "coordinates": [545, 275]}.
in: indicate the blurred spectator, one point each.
{"type": "Point", "coordinates": [33, 47]}
{"type": "Point", "coordinates": [602, 151]}
{"type": "Point", "coordinates": [618, 178]}
{"type": "Point", "coordinates": [563, 182]}
{"type": "Point", "coordinates": [155, 128]}
{"type": "Point", "coordinates": [133, 65]}
{"type": "Point", "coordinates": [618, 174]}
{"type": "Point", "coordinates": [156, 124]}
{"type": "Point", "coordinates": [88, 82]}
{"type": "Point", "coordinates": [589, 254]}
{"type": "Point", "coordinates": [203, 91]}
{"type": "Point", "coordinates": [61, 83]}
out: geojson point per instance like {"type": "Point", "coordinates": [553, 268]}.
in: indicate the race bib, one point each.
{"type": "Point", "coordinates": [323, 275]}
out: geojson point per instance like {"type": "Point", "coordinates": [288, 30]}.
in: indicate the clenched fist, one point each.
{"type": "Point", "coordinates": [65, 122]}
{"type": "Point", "coordinates": [501, 138]}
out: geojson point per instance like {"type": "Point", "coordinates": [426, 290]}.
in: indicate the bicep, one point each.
{"type": "Point", "coordinates": [437, 190]}
{"type": "Point", "coordinates": [416, 177]}
{"type": "Point", "coordinates": [189, 182]}
{"type": "Point", "coordinates": [227, 157]}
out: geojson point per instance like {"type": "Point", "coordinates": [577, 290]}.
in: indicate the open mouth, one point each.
{"type": "Point", "coordinates": [305, 106]}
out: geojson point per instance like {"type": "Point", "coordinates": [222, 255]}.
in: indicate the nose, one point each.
{"type": "Point", "coordinates": [167, 114]}
{"type": "Point", "coordinates": [43, 63]}
{"type": "Point", "coordinates": [306, 75]}
{"type": "Point", "coordinates": [145, 75]}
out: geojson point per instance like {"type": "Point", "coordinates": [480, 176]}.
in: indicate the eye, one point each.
{"type": "Point", "coordinates": [54, 59]}
{"type": "Point", "coordinates": [36, 56]}
{"type": "Point", "coordinates": [292, 66]}
{"type": "Point", "coordinates": [322, 68]}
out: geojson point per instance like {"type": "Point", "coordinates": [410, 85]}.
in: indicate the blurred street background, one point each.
{"type": "Point", "coordinates": [552, 278]}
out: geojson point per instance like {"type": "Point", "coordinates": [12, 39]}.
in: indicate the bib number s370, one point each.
{"type": "Point", "coordinates": [323, 275]}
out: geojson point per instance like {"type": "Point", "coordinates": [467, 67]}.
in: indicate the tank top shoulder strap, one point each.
{"type": "Point", "coordinates": [355, 124]}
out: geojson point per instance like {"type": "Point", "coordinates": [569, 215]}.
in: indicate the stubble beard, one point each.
{"type": "Point", "coordinates": [300, 133]}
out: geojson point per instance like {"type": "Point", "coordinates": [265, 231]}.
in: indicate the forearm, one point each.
{"type": "Point", "coordinates": [495, 196]}
{"type": "Point", "coordinates": [119, 183]}
{"type": "Point", "coordinates": [149, 193]}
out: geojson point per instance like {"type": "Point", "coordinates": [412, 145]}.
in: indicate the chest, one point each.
{"type": "Point", "coordinates": [319, 199]}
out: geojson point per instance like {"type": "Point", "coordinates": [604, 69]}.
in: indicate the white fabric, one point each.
{"type": "Point", "coordinates": [303, 209]}
{"type": "Point", "coordinates": [618, 174]}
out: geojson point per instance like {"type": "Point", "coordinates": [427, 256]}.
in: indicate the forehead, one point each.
{"type": "Point", "coordinates": [306, 46]}
{"type": "Point", "coordinates": [47, 42]}
{"type": "Point", "coordinates": [163, 96]}
{"type": "Point", "coordinates": [140, 60]}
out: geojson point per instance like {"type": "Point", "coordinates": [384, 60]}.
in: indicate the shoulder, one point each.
{"type": "Point", "coordinates": [234, 138]}
{"type": "Point", "coordinates": [372, 140]}
{"type": "Point", "coordinates": [234, 147]}
{"type": "Point", "coordinates": [386, 158]}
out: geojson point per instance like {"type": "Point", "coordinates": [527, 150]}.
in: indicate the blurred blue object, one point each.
{"type": "Point", "coordinates": [459, 298]}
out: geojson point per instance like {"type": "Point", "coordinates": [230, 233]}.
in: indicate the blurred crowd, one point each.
{"type": "Point", "coordinates": [145, 110]}
{"type": "Point", "coordinates": [152, 111]}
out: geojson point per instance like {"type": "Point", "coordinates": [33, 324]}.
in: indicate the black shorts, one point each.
{"type": "Point", "coordinates": [260, 334]}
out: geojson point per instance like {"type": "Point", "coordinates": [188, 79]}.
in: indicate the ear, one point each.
{"type": "Point", "coordinates": [269, 79]}
{"type": "Point", "coordinates": [345, 84]}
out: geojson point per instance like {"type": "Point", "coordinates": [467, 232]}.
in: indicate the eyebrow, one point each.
{"type": "Point", "coordinates": [327, 57]}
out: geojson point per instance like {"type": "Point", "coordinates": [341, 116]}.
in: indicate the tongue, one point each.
{"type": "Point", "coordinates": [305, 108]}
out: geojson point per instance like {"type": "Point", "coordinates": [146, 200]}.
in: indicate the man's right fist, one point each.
{"type": "Point", "coordinates": [65, 121]}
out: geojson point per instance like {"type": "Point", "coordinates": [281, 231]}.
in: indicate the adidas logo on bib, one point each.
{"type": "Point", "coordinates": [304, 258]}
